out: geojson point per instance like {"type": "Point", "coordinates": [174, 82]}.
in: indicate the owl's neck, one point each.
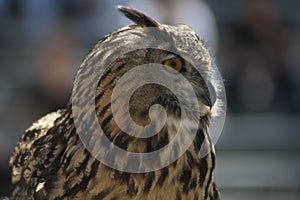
{"type": "Point", "coordinates": [188, 177]}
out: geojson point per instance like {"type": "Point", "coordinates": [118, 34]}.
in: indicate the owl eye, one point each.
{"type": "Point", "coordinates": [174, 63]}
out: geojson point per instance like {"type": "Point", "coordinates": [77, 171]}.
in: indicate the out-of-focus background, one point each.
{"type": "Point", "coordinates": [257, 47]}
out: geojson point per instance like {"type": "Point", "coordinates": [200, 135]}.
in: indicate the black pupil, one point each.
{"type": "Point", "coordinates": [173, 64]}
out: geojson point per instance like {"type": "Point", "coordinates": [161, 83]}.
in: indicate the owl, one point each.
{"type": "Point", "coordinates": [55, 158]}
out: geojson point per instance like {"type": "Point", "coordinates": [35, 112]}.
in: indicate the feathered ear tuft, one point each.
{"type": "Point", "coordinates": [138, 17]}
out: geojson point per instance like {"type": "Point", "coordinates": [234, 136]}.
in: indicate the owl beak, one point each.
{"type": "Point", "coordinates": [212, 98]}
{"type": "Point", "coordinates": [208, 102]}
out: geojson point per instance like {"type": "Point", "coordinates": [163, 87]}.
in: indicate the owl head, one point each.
{"type": "Point", "coordinates": [144, 79]}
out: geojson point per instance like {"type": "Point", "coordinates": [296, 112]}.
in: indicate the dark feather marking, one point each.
{"type": "Point", "coordinates": [148, 181]}
{"type": "Point", "coordinates": [191, 160]}
{"type": "Point", "coordinates": [99, 96]}
{"type": "Point", "coordinates": [104, 109]}
{"type": "Point", "coordinates": [149, 146]}
{"type": "Point", "coordinates": [82, 166]}
{"type": "Point", "coordinates": [163, 139]}
{"type": "Point", "coordinates": [103, 193]}
{"type": "Point", "coordinates": [106, 121]}
{"type": "Point", "coordinates": [84, 182]}
{"type": "Point", "coordinates": [193, 183]}
{"type": "Point", "coordinates": [208, 182]}
{"type": "Point", "coordinates": [68, 159]}
{"type": "Point", "coordinates": [131, 189]}
{"type": "Point", "coordinates": [178, 196]}
{"type": "Point", "coordinates": [122, 176]}
{"type": "Point", "coordinates": [203, 168]}
{"type": "Point", "coordinates": [29, 135]}
{"type": "Point", "coordinates": [72, 133]}
{"type": "Point", "coordinates": [112, 68]}
{"type": "Point", "coordinates": [199, 139]}
{"type": "Point", "coordinates": [163, 176]}
{"type": "Point", "coordinates": [185, 178]}
{"type": "Point", "coordinates": [120, 141]}
{"type": "Point", "coordinates": [216, 192]}
{"type": "Point", "coordinates": [213, 160]}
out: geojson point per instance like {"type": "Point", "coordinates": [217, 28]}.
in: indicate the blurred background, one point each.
{"type": "Point", "coordinates": [257, 48]}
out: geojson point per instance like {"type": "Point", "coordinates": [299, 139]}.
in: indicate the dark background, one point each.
{"type": "Point", "coordinates": [257, 48]}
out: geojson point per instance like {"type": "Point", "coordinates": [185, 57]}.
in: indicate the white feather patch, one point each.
{"type": "Point", "coordinates": [40, 186]}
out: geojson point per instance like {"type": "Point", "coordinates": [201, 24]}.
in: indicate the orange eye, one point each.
{"type": "Point", "coordinates": [174, 63]}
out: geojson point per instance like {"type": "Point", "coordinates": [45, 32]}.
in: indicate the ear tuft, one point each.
{"type": "Point", "coordinates": [138, 17]}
